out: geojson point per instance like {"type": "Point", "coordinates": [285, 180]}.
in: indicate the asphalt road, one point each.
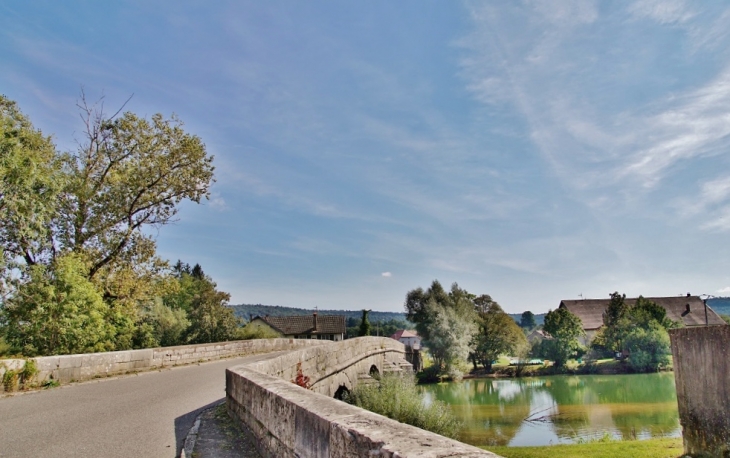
{"type": "Point", "coordinates": [144, 415]}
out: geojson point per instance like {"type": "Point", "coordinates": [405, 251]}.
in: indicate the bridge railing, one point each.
{"type": "Point", "coordinates": [87, 366]}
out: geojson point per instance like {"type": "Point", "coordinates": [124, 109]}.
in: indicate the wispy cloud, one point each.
{"type": "Point", "coordinates": [663, 11]}
{"type": "Point", "coordinates": [386, 274]}
{"type": "Point", "coordinates": [692, 125]}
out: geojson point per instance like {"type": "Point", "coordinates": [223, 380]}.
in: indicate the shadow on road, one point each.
{"type": "Point", "coordinates": [183, 423]}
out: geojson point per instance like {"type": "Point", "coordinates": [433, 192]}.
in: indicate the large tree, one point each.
{"type": "Point", "coordinates": [640, 330]}
{"type": "Point", "coordinates": [564, 329]}
{"type": "Point", "coordinates": [497, 333]}
{"type": "Point", "coordinates": [130, 174]}
{"type": "Point", "coordinates": [446, 321]}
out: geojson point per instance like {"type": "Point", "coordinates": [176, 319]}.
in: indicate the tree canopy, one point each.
{"type": "Point", "coordinates": [497, 334]}
{"type": "Point", "coordinates": [639, 330]}
{"type": "Point", "coordinates": [527, 320]}
{"type": "Point", "coordinates": [564, 329]}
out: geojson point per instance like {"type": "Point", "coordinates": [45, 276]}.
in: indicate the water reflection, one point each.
{"type": "Point", "coordinates": [562, 409]}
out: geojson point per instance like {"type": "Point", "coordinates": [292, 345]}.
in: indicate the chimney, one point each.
{"type": "Point", "coordinates": [315, 322]}
{"type": "Point", "coordinates": [688, 294]}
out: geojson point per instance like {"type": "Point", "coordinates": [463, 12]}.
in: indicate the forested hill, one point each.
{"type": "Point", "coordinates": [721, 305]}
{"type": "Point", "coordinates": [247, 311]}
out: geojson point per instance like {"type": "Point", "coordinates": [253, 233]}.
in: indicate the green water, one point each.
{"type": "Point", "coordinates": [562, 409]}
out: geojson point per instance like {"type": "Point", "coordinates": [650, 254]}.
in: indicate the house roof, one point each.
{"type": "Point", "coordinates": [401, 333]}
{"type": "Point", "coordinates": [305, 324]}
{"type": "Point", "coordinates": [689, 310]}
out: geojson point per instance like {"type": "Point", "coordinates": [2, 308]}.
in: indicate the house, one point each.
{"type": "Point", "coordinates": [537, 335]}
{"type": "Point", "coordinates": [688, 310]}
{"type": "Point", "coordinates": [407, 337]}
{"type": "Point", "coordinates": [323, 327]}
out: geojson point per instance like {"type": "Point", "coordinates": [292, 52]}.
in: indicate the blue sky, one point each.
{"type": "Point", "coordinates": [533, 151]}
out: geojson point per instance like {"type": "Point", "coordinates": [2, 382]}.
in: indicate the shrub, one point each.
{"type": "Point", "coordinates": [250, 332]}
{"type": "Point", "coordinates": [398, 397]}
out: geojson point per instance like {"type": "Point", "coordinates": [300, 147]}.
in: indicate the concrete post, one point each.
{"type": "Point", "coordinates": [702, 376]}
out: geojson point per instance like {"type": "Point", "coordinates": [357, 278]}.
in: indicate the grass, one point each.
{"type": "Point", "coordinates": [670, 447]}
{"type": "Point", "coordinates": [397, 397]}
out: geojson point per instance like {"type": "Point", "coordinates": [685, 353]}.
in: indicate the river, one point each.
{"type": "Point", "coordinates": [562, 409]}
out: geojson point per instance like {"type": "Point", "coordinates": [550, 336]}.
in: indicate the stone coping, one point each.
{"type": "Point", "coordinates": [88, 366]}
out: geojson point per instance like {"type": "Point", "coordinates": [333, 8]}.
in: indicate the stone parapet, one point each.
{"type": "Point", "coordinates": [68, 368]}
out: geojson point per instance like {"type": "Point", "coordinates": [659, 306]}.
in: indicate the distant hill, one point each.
{"type": "Point", "coordinates": [248, 311]}
{"type": "Point", "coordinates": [721, 305]}
{"type": "Point", "coordinates": [539, 318]}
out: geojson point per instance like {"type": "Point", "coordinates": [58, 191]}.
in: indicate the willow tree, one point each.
{"type": "Point", "coordinates": [446, 321]}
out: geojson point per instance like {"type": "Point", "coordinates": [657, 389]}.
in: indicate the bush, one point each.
{"type": "Point", "coordinates": [429, 375]}
{"type": "Point", "coordinates": [250, 332]}
{"type": "Point", "coordinates": [649, 349]}
{"type": "Point", "coordinates": [398, 397]}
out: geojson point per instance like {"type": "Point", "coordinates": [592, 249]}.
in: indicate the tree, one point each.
{"type": "Point", "coordinates": [58, 311]}
{"type": "Point", "coordinates": [616, 311]}
{"type": "Point", "coordinates": [564, 328]}
{"type": "Point", "coordinates": [450, 337]}
{"type": "Point", "coordinates": [640, 330]}
{"type": "Point", "coordinates": [130, 174]}
{"type": "Point", "coordinates": [364, 324]}
{"type": "Point", "coordinates": [621, 319]}
{"type": "Point", "coordinates": [30, 180]}
{"type": "Point", "coordinates": [497, 334]}
{"type": "Point", "coordinates": [210, 318]}
{"type": "Point", "coordinates": [445, 321]}
{"type": "Point", "coordinates": [648, 347]}
{"type": "Point", "coordinates": [528, 320]}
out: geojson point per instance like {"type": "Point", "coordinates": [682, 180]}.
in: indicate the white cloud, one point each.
{"type": "Point", "coordinates": [386, 274]}
{"type": "Point", "coordinates": [724, 290]}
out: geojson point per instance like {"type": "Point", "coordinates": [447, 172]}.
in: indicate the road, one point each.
{"type": "Point", "coordinates": [144, 415]}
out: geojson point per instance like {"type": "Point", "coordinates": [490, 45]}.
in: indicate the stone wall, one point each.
{"type": "Point", "coordinates": [290, 421]}
{"type": "Point", "coordinates": [702, 374]}
{"type": "Point", "coordinates": [68, 368]}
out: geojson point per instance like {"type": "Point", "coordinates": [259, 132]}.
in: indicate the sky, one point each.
{"type": "Point", "coordinates": [534, 151]}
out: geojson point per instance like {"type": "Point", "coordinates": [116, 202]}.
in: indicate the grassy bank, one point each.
{"type": "Point", "coordinates": [652, 448]}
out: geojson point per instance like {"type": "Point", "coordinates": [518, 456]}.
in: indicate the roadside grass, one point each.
{"type": "Point", "coordinates": [668, 447]}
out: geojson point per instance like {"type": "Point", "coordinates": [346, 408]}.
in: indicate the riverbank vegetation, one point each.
{"type": "Point", "coordinates": [650, 448]}
{"type": "Point", "coordinates": [457, 326]}
{"type": "Point", "coordinates": [79, 270]}
{"type": "Point", "coordinates": [398, 397]}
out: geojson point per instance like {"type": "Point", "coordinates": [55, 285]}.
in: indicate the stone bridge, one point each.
{"type": "Point", "coordinates": [290, 421]}
{"type": "Point", "coordinates": [286, 419]}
